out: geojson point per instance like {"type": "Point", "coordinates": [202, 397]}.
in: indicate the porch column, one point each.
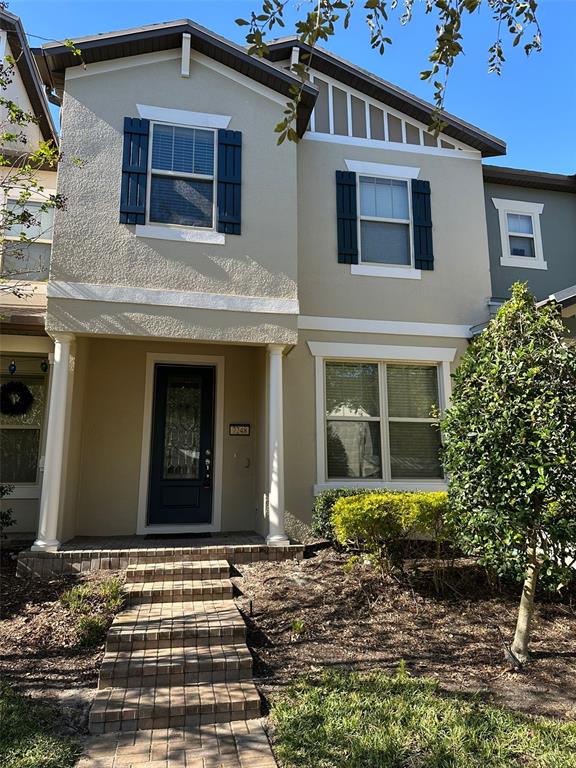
{"type": "Point", "coordinates": [276, 534]}
{"type": "Point", "coordinates": [50, 497]}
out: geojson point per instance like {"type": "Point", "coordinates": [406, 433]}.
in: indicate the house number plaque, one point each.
{"type": "Point", "coordinates": [240, 430]}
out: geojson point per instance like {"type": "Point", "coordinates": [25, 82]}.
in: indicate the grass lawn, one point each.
{"type": "Point", "coordinates": [28, 734]}
{"type": "Point", "coordinates": [371, 720]}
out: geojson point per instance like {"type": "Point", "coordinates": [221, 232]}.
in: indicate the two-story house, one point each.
{"type": "Point", "coordinates": [25, 348]}
{"type": "Point", "coordinates": [237, 324]}
{"type": "Point", "coordinates": [531, 218]}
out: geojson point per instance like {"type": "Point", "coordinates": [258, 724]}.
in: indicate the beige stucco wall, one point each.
{"type": "Point", "coordinates": [138, 320]}
{"type": "Point", "coordinates": [456, 291]}
{"type": "Point", "coordinates": [300, 408]}
{"type": "Point", "coordinates": [90, 245]}
{"type": "Point", "coordinates": [101, 492]}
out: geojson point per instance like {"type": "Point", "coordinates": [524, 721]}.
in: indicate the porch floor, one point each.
{"type": "Point", "coordinates": [92, 553]}
{"type": "Point", "coordinates": [97, 543]}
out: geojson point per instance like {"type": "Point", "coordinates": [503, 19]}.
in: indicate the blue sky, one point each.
{"type": "Point", "coordinates": [532, 106]}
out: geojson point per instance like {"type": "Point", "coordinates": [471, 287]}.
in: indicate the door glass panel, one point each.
{"type": "Point", "coordinates": [182, 431]}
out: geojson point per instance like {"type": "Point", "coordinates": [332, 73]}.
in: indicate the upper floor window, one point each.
{"type": "Point", "coordinates": [520, 234]}
{"type": "Point", "coordinates": [385, 233]}
{"type": "Point", "coordinates": [182, 176]}
{"type": "Point", "coordinates": [29, 258]}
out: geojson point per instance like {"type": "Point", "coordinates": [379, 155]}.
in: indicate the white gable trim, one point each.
{"type": "Point", "coordinates": [123, 294]}
{"type": "Point", "coordinates": [102, 67]}
{"type": "Point", "coordinates": [417, 149]}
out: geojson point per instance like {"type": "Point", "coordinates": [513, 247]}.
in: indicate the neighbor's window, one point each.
{"type": "Point", "coordinates": [182, 176]}
{"type": "Point", "coordinates": [385, 221]}
{"type": "Point", "coordinates": [379, 421]}
{"type": "Point", "coordinates": [520, 233]}
{"type": "Point", "coordinates": [20, 434]}
{"type": "Point", "coordinates": [25, 260]}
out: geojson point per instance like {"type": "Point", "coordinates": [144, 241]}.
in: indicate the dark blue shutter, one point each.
{"type": "Point", "coordinates": [229, 181]}
{"type": "Point", "coordinates": [347, 217]}
{"type": "Point", "coordinates": [422, 225]}
{"type": "Point", "coordinates": [134, 171]}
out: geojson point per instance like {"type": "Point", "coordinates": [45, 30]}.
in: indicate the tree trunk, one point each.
{"type": "Point", "coordinates": [521, 644]}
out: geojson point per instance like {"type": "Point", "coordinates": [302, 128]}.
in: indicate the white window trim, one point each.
{"type": "Point", "coordinates": [373, 269]}
{"type": "Point", "coordinates": [161, 231]}
{"type": "Point", "coordinates": [504, 207]}
{"type": "Point", "coordinates": [152, 358]}
{"type": "Point", "coordinates": [322, 351]}
{"type": "Point", "coordinates": [183, 117]}
{"type": "Point", "coordinates": [381, 169]}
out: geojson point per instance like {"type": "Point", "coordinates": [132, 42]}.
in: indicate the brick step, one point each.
{"type": "Point", "coordinates": [166, 625]}
{"type": "Point", "coordinates": [132, 709]}
{"type": "Point", "coordinates": [178, 591]}
{"type": "Point", "coordinates": [194, 570]}
{"type": "Point", "coordinates": [175, 666]}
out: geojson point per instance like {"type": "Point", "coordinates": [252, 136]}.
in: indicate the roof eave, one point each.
{"type": "Point", "coordinates": [58, 58]}
{"type": "Point", "coordinates": [520, 177]}
{"type": "Point", "coordinates": [28, 70]}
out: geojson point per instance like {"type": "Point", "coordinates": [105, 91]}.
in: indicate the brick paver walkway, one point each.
{"type": "Point", "coordinates": [175, 687]}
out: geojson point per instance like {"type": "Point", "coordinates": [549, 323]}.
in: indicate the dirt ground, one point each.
{"type": "Point", "coordinates": [307, 615]}
{"type": "Point", "coordinates": [38, 651]}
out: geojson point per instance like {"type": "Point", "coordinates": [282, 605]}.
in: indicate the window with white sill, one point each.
{"type": "Point", "coordinates": [384, 222]}
{"type": "Point", "coordinates": [182, 172]}
{"type": "Point", "coordinates": [520, 233]}
{"type": "Point", "coordinates": [378, 421]}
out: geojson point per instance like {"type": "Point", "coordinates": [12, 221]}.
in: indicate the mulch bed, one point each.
{"type": "Point", "coordinates": [308, 615]}
{"type": "Point", "coordinates": [39, 655]}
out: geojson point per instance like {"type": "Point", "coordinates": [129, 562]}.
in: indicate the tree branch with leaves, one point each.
{"type": "Point", "coordinates": [320, 20]}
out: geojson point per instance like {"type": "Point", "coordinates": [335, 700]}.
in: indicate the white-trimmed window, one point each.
{"type": "Point", "coordinates": [182, 172]}
{"type": "Point", "coordinates": [378, 422]}
{"type": "Point", "coordinates": [21, 259]}
{"type": "Point", "coordinates": [384, 221]}
{"type": "Point", "coordinates": [520, 233]}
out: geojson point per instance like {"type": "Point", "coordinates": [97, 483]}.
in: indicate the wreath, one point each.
{"type": "Point", "coordinates": [15, 398]}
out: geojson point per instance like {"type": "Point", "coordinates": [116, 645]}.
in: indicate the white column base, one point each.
{"type": "Point", "coordinates": [277, 541]}
{"type": "Point", "coordinates": [45, 545]}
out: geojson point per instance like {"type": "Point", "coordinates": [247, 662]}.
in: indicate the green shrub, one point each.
{"type": "Point", "coordinates": [324, 507]}
{"type": "Point", "coordinates": [77, 599]}
{"type": "Point", "coordinates": [379, 523]}
{"type": "Point", "coordinates": [94, 605]}
{"type": "Point", "coordinates": [112, 592]}
{"type": "Point", "coordinates": [91, 630]}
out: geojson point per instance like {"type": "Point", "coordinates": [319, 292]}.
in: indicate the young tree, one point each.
{"type": "Point", "coordinates": [319, 20]}
{"type": "Point", "coordinates": [510, 450]}
{"type": "Point", "coordinates": [20, 184]}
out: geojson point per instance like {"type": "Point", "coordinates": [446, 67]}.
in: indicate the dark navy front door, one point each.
{"type": "Point", "coordinates": [181, 463]}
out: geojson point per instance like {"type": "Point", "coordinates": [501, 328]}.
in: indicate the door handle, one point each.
{"type": "Point", "coordinates": [207, 468]}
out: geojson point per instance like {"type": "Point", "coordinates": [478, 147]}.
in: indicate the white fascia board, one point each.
{"type": "Point", "coordinates": [415, 149]}
{"type": "Point", "coordinates": [183, 117]}
{"type": "Point", "coordinates": [394, 327]}
{"type": "Point", "coordinates": [381, 352]}
{"type": "Point", "coordinates": [121, 294]}
{"type": "Point", "coordinates": [383, 169]}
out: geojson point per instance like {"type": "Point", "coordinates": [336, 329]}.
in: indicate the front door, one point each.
{"type": "Point", "coordinates": [181, 465]}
